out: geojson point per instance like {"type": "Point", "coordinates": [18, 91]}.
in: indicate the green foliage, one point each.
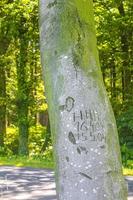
{"type": "Point", "coordinates": [11, 141]}
{"type": "Point", "coordinates": [125, 129]}
{"type": "Point", "coordinates": [3, 151]}
{"type": "Point", "coordinates": [19, 47]}
{"type": "Point", "coordinates": [36, 140]}
{"type": "Point", "coordinates": [114, 24]}
{"type": "Point", "coordinates": [48, 154]}
{"type": "Point", "coordinates": [127, 154]}
{"type": "Point", "coordinates": [37, 135]}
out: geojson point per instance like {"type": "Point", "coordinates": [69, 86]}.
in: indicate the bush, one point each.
{"type": "Point", "coordinates": [125, 129]}
{"type": "Point", "coordinates": [11, 141]}
{"type": "Point", "coordinates": [37, 135]}
{"type": "Point", "coordinates": [36, 139]}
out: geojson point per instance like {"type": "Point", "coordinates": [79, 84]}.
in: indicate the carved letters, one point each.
{"type": "Point", "coordinates": [87, 124]}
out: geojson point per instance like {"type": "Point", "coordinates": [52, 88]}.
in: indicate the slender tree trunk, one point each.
{"type": "Point", "coordinates": [2, 103]}
{"type": "Point", "coordinates": [44, 121]}
{"type": "Point", "coordinates": [4, 44]}
{"type": "Point", "coordinates": [23, 93]}
{"type": "Point", "coordinates": [125, 69]}
{"type": "Point", "coordinates": [88, 163]}
{"type": "Point", "coordinates": [113, 80]}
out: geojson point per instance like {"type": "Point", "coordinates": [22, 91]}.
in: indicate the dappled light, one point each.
{"type": "Point", "coordinates": [26, 183]}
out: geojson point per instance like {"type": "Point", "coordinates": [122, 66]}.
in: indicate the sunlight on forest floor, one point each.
{"type": "Point", "coordinates": [26, 162]}
{"type": "Point", "coordinates": [46, 164]}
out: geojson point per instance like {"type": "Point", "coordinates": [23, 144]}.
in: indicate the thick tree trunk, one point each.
{"type": "Point", "coordinates": [88, 164]}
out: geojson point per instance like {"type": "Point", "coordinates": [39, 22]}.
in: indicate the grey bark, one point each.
{"type": "Point", "coordinates": [87, 154]}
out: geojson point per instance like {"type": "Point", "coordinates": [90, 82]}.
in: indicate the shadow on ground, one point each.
{"type": "Point", "coordinates": [18, 183]}
{"type": "Point", "coordinates": [26, 183]}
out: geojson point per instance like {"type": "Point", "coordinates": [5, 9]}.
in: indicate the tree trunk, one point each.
{"type": "Point", "coordinates": [2, 103]}
{"type": "Point", "coordinates": [113, 79]}
{"type": "Point", "coordinates": [88, 163]}
{"type": "Point", "coordinates": [45, 122]}
{"type": "Point", "coordinates": [125, 69]}
{"type": "Point", "coordinates": [4, 44]}
{"type": "Point", "coordinates": [23, 92]}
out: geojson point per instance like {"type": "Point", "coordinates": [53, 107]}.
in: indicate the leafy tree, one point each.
{"type": "Point", "coordinates": [4, 44]}
{"type": "Point", "coordinates": [23, 96]}
{"type": "Point", "coordinates": [114, 27]}
{"type": "Point", "coordinates": [114, 32]}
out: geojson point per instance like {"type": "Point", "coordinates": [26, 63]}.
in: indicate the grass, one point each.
{"type": "Point", "coordinates": [45, 163]}
{"type": "Point", "coordinates": [26, 162]}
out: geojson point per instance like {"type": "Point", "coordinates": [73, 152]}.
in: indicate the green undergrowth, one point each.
{"type": "Point", "coordinates": [128, 171]}
{"type": "Point", "coordinates": [27, 162]}
{"type": "Point", "coordinates": [45, 163]}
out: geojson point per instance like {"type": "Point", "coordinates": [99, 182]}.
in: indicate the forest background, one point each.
{"type": "Point", "coordinates": [24, 122]}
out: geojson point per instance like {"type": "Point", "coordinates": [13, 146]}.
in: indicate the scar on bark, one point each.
{"type": "Point", "coordinates": [67, 158]}
{"type": "Point", "coordinates": [85, 175]}
{"type": "Point", "coordinates": [69, 104]}
{"type": "Point", "coordinates": [81, 149]}
{"type": "Point", "coordinates": [78, 150]}
{"type": "Point", "coordinates": [102, 147]}
{"type": "Point", "coordinates": [76, 71]}
{"type": "Point", "coordinates": [62, 107]}
{"type": "Point", "coordinates": [71, 138]}
{"type": "Point", "coordinates": [50, 5]}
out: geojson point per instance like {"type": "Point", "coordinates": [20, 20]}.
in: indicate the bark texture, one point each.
{"type": "Point", "coordinates": [88, 163]}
